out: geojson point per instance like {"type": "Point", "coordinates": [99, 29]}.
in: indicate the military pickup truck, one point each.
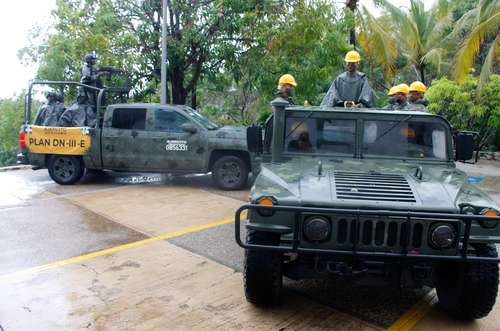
{"type": "Point", "coordinates": [139, 138]}
{"type": "Point", "coordinates": [373, 197]}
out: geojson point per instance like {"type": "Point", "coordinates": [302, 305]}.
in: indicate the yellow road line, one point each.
{"type": "Point", "coordinates": [112, 250]}
{"type": "Point", "coordinates": [409, 319]}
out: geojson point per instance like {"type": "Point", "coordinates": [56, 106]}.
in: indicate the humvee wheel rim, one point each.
{"type": "Point", "coordinates": [64, 168]}
{"type": "Point", "coordinates": [230, 173]}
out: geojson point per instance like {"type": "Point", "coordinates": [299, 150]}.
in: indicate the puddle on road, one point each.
{"type": "Point", "coordinates": [15, 190]}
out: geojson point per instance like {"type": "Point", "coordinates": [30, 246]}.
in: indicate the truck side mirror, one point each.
{"type": "Point", "coordinates": [254, 139]}
{"type": "Point", "coordinates": [464, 145]}
{"type": "Point", "coordinates": [189, 128]}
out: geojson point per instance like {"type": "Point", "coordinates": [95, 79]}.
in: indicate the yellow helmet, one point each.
{"type": "Point", "coordinates": [352, 56]}
{"type": "Point", "coordinates": [393, 91]}
{"type": "Point", "coordinates": [287, 79]}
{"type": "Point", "coordinates": [417, 86]}
{"type": "Point", "coordinates": [403, 88]}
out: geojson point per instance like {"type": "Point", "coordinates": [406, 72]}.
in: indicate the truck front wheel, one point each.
{"type": "Point", "coordinates": [263, 274]}
{"type": "Point", "coordinates": [468, 290]}
{"type": "Point", "coordinates": [230, 173]}
{"type": "Point", "coordinates": [65, 170]}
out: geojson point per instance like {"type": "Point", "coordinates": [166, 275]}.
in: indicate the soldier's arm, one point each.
{"type": "Point", "coordinates": [331, 97]}
{"type": "Point", "coordinates": [366, 96]}
{"type": "Point", "coordinates": [65, 119]}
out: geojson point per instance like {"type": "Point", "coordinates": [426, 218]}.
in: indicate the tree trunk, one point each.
{"type": "Point", "coordinates": [352, 5]}
{"type": "Point", "coordinates": [193, 98]}
{"type": "Point", "coordinates": [421, 69]}
{"type": "Point", "coordinates": [177, 81]}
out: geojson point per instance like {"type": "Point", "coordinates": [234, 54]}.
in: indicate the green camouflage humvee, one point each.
{"type": "Point", "coordinates": [372, 196]}
{"type": "Point", "coordinates": [138, 137]}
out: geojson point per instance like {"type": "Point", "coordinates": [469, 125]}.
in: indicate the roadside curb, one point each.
{"type": "Point", "coordinates": [17, 167]}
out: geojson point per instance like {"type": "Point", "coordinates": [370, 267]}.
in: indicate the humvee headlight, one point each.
{"type": "Point", "coordinates": [316, 228]}
{"type": "Point", "coordinates": [442, 236]}
{"type": "Point", "coordinates": [488, 224]}
{"type": "Point", "coordinates": [266, 201]}
{"type": "Point", "coordinates": [469, 210]}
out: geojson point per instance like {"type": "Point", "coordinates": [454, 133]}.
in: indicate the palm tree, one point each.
{"type": "Point", "coordinates": [480, 27]}
{"type": "Point", "coordinates": [376, 38]}
{"type": "Point", "coordinates": [420, 32]}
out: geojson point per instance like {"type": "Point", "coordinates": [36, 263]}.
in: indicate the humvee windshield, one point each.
{"type": "Point", "coordinates": [407, 138]}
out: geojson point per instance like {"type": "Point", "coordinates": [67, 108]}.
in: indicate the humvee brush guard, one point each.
{"type": "Point", "coordinates": [372, 196]}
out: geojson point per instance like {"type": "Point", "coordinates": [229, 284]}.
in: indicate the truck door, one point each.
{"type": "Point", "coordinates": [173, 148]}
{"type": "Point", "coordinates": [125, 140]}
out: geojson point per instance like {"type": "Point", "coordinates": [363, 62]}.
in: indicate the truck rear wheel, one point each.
{"type": "Point", "coordinates": [468, 290]}
{"type": "Point", "coordinates": [230, 173]}
{"type": "Point", "coordinates": [65, 170]}
{"type": "Point", "coordinates": [263, 274]}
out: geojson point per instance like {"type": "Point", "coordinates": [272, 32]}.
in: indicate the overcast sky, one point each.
{"type": "Point", "coordinates": [17, 17]}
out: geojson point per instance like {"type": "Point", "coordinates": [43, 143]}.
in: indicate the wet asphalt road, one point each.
{"type": "Point", "coordinates": [41, 224]}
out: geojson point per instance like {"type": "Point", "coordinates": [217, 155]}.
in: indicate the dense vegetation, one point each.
{"type": "Point", "coordinates": [225, 56]}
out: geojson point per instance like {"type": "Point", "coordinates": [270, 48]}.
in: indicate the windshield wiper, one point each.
{"type": "Point", "coordinates": [298, 125]}
{"type": "Point", "coordinates": [392, 127]}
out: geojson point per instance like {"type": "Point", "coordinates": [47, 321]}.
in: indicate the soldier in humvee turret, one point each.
{"type": "Point", "coordinates": [351, 88]}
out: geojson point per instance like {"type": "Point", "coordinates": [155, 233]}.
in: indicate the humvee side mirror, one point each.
{"type": "Point", "coordinates": [464, 145]}
{"type": "Point", "coordinates": [254, 139]}
{"type": "Point", "coordinates": [189, 127]}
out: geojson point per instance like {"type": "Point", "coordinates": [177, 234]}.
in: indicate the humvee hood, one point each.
{"type": "Point", "coordinates": [388, 184]}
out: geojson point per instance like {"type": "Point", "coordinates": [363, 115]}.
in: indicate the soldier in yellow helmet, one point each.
{"type": "Point", "coordinates": [397, 97]}
{"type": "Point", "coordinates": [350, 89]}
{"type": "Point", "coordinates": [416, 99]}
{"type": "Point", "coordinates": [393, 91]}
{"type": "Point", "coordinates": [286, 87]}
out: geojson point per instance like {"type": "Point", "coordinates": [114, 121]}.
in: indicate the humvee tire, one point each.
{"type": "Point", "coordinates": [65, 170]}
{"type": "Point", "coordinates": [229, 173]}
{"type": "Point", "coordinates": [263, 274]}
{"type": "Point", "coordinates": [468, 291]}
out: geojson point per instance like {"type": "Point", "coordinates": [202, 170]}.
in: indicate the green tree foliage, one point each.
{"type": "Point", "coordinates": [204, 38]}
{"type": "Point", "coordinates": [458, 103]}
{"type": "Point", "coordinates": [11, 119]}
{"type": "Point", "coordinates": [418, 32]}
{"type": "Point", "coordinates": [480, 26]}
{"type": "Point", "coordinates": [308, 41]}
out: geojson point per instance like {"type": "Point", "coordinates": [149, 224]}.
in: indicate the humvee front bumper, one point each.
{"type": "Point", "coordinates": [358, 248]}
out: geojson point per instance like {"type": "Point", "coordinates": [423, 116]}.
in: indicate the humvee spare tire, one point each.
{"type": "Point", "coordinates": [230, 172]}
{"type": "Point", "coordinates": [263, 274]}
{"type": "Point", "coordinates": [468, 290]}
{"type": "Point", "coordinates": [65, 170]}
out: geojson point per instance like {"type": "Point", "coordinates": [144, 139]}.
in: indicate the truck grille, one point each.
{"type": "Point", "coordinates": [372, 186]}
{"type": "Point", "coordinates": [379, 232]}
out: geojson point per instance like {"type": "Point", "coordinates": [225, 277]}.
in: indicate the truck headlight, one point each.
{"type": "Point", "coordinates": [266, 201]}
{"type": "Point", "coordinates": [442, 236]}
{"type": "Point", "coordinates": [316, 228]}
{"type": "Point", "coordinates": [488, 224]}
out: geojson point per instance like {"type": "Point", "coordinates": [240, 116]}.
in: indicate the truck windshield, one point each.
{"type": "Point", "coordinates": [407, 138]}
{"type": "Point", "coordinates": [201, 119]}
{"type": "Point", "coordinates": [320, 135]}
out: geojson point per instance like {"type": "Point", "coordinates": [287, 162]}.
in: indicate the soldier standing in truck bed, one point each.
{"type": "Point", "coordinates": [51, 111]}
{"type": "Point", "coordinates": [351, 88]}
{"type": "Point", "coordinates": [81, 113]}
